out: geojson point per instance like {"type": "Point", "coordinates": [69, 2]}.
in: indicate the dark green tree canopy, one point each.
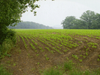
{"type": "Point", "coordinates": [88, 20]}
{"type": "Point", "coordinates": [13, 9]}
{"type": "Point", "coordinates": [88, 17]}
{"type": "Point", "coordinates": [10, 13]}
{"type": "Point", "coordinates": [67, 22]}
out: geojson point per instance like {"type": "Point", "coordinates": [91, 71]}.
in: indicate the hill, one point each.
{"type": "Point", "coordinates": [29, 25]}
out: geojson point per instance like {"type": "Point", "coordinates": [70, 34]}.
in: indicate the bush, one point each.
{"type": "Point", "coordinates": [3, 71]}
{"type": "Point", "coordinates": [68, 66]}
{"type": "Point", "coordinates": [8, 43]}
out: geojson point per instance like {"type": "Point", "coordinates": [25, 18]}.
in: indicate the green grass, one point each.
{"type": "Point", "coordinates": [52, 71]}
{"type": "Point", "coordinates": [3, 71]}
{"type": "Point", "coordinates": [69, 68]}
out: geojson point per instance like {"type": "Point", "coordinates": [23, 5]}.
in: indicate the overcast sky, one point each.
{"type": "Point", "coordinates": [52, 13]}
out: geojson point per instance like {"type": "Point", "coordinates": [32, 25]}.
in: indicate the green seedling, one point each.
{"type": "Point", "coordinates": [99, 56]}
{"type": "Point", "coordinates": [42, 50]}
{"type": "Point", "coordinates": [67, 58]}
{"type": "Point", "coordinates": [28, 54]}
{"type": "Point", "coordinates": [47, 58]}
{"type": "Point", "coordinates": [87, 49]}
{"type": "Point", "coordinates": [98, 59]}
{"type": "Point", "coordinates": [38, 63]}
{"type": "Point", "coordinates": [35, 50]}
{"type": "Point", "coordinates": [65, 50]}
{"type": "Point", "coordinates": [45, 55]}
{"type": "Point", "coordinates": [80, 42]}
{"type": "Point", "coordinates": [37, 54]}
{"type": "Point", "coordinates": [81, 55]}
{"type": "Point", "coordinates": [86, 41]}
{"type": "Point", "coordinates": [55, 66]}
{"type": "Point", "coordinates": [86, 53]}
{"type": "Point", "coordinates": [84, 56]}
{"type": "Point", "coordinates": [14, 64]}
{"type": "Point", "coordinates": [75, 56]}
{"type": "Point", "coordinates": [80, 60]}
{"type": "Point", "coordinates": [94, 46]}
{"type": "Point", "coordinates": [52, 52]}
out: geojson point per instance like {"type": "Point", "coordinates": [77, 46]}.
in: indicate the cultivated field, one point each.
{"type": "Point", "coordinates": [40, 49]}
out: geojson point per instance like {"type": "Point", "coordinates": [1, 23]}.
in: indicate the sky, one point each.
{"type": "Point", "coordinates": [52, 13]}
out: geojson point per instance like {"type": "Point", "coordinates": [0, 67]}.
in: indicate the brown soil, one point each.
{"type": "Point", "coordinates": [28, 62]}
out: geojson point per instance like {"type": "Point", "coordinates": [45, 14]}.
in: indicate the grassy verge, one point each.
{"type": "Point", "coordinates": [3, 71]}
{"type": "Point", "coordinates": [5, 49]}
{"type": "Point", "coordinates": [69, 68]}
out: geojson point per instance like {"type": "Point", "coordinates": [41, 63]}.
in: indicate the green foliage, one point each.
{"type": "Point", "coordinates": [8, 43]}
{"type": "Point", "coordinates": [68, 65]}
{"type": "Point", "coordinates": [67, 22]}
{"type": "Point", "coordinates": [88, 20]}
{"type": "Point", "coordinates": [3, 71]}
{"type": "Point", "coordinates": [11, 12]}
{"type": "Point", "coordinates": [75, 72]}
{"type": "Point", "coordinates": [52, 72]}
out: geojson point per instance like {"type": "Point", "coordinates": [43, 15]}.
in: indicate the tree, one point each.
{"type": "Point", "coordinates": [88, 17]}
{"type": "Point", "coordinates": [67, 23]}
{"type": "Point", "coordinates": [78, 24]}
{"type": "Point", "coordinates": [10, 13]}
{"type": "Point", "coordinates": [96, 22]}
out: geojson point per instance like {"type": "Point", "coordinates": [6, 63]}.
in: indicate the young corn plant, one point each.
{"type": "Point", "coordinates": [24, 42]}
{"type": "Point", "coordinates": [75, 56]}
{"type": "Point", "coordinates": [34, 42]}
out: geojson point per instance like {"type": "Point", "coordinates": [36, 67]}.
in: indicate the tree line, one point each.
{"type": "Point", "coordinates": [88, 20]}
{"type": "Point", "coordinates": [29, 25]}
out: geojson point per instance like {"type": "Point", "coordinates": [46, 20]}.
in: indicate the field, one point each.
{"type": "Point", "coordinates": [39, 49]}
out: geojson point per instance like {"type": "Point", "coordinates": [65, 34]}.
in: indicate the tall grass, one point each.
{"type": "Point", "coordinates": [3, 71]}
{"type": "Point", "coordinates": [8, 44]}
{"type": "Point", "coordinates": [5, 48]}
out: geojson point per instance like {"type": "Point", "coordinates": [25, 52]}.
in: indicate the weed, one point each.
{"type": "Point", "coordinates": [38, 63]}
{"type": "Point", "coordinates": [86, 53]}
{"type": "Point", "coordinates": [14, 64]}
{"type": "Point", "coordinates": [67, 58]}
{"type": "Point", "coordinates": [42, 50]}
{"type": "Point", "coordinates": [75, 72]}
{"type": "Point", "coordinates": [75, 56]}
{"type": "Point", "coordinates": [84, 56]}
{"type": "Point", "coordinates": [37, 54]}
{"type": "Point", "coordinates": [87, 49]}
{"type": "Point", "coordinates": [84, 46]}
{"type": "Point", "coordinates": [99, 56]}
{"type": "Point", "coordinates": [98, 59]}
{"type": "Point", "coordinates": [68, 65]}
{"type": "Point", "coordinates": [52, 72]}
{"type": "Point", "coordinates": [47, 58]}
{"type": "Point", "coordinates": [80, 60]}
{"type": "Point", "coordinates": [81, 55]}
{"type": "Point", "coordinates": [65, 50]}
{"type": "Point", "coordinates": [3, 71]}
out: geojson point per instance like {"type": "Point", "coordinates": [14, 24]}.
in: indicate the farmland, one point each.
{"type": "Point", "coordinates": [40, 49]}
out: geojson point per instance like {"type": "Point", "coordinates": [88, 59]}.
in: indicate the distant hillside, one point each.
{"type": "Point", "coordinates": [29, 25]}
